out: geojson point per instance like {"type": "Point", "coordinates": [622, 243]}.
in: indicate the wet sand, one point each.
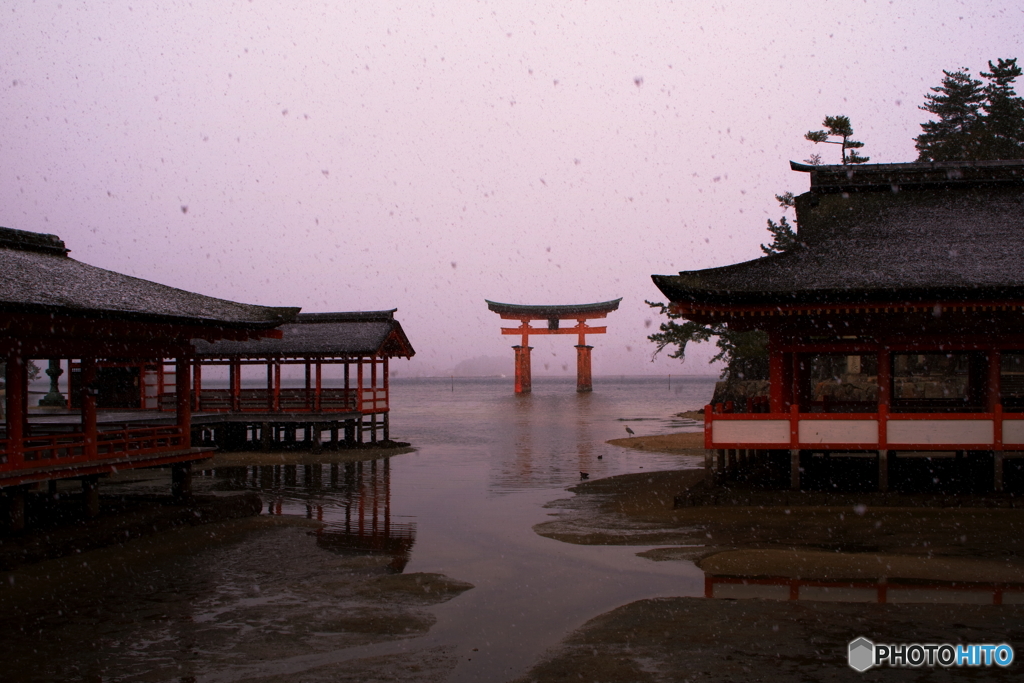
{"type": "Point", "coordinates": [59, 528]}
{"type": "Point", "coordinates": [310, 613]}
{"type": "Point", "coordinates": [723, 639]}
{"type": "Point", "coordinates": [691, 443]}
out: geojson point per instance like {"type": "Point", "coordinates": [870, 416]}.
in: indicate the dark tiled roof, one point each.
{"type": "Point", "coordinates": [361, 333]}
{"type": "Point", "coordinates": [957, 241]}
{"type": "Point", "coordinates": [36, 275]}
{"type": "Point", "coordinates": [544, 312]}
{"type": "Point", "coordinates": [867, 177]}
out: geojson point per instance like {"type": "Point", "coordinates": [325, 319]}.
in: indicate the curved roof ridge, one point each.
{"type": "Point", "coordinates": [347, 316]}
{"type": "Point", "coordinates": [553, 310]}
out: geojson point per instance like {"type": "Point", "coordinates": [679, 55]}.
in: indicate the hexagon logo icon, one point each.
{"type": "Point", "coordinates": [862, 654]}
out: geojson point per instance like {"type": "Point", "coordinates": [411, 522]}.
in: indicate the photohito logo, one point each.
{"type": "Point", "coordinates": [863, 654]}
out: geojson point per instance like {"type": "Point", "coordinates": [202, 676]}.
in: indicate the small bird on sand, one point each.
{"type": "Point", "coordinates": [584, 475]}
{"type": "Point", "coordinates": [630, 431]}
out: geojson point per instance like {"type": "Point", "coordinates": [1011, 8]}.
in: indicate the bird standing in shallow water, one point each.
{"type": "Point", "coordinates": [584, 475]}
{"type": "Point", "coordinates": [630, 431]}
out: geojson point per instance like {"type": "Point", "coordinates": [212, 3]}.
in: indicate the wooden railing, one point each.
{"type": "Point", "coordinates": [72, 449]}
{"type": "Point", "coordinates": [288, 400]}
{"type": "Point", "coordinates": [881, 430]}
{"type": "Point", "coordinates": [332, 400]}
{"type": "Point", "coordinates": [373, 401]}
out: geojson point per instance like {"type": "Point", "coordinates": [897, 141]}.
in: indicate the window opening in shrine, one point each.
{"type": "Point", "coordinates": [1011, 380]}
{"type": "Point", "coordinates": [838, 383]}
{"type": "Point", "coordinates": [938, 382]}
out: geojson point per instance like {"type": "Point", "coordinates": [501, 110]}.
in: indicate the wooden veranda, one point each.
{"type": "Point", "coordinates": [352, 405]}
{"type": "Point", "coordinates": [53, 307]}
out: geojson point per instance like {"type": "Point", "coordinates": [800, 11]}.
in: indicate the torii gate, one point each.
{"type": "Point", "coordinates": [553, 315]}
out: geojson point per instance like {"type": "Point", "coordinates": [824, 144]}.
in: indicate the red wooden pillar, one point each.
{"type": "Point", "coordinates": [993, 393]}
{"type": "Point", "coordinates": [387, 389]}
{"type": "Point", "coordinates": [236, 386]}
{"type": "Point", "coordinates": [884, 403]}
{"type": "Point", "coordinates": [348, 385]}
{"type": "Point", "coordinates": [182, 395]}
{"type": "Point", "coordinates": [270, 384]}
{"type": "Point", "coordinates": [17, 393]}
{"type": "Point", "coordinates": [307, 399]}
{"type": "Point", "coordinates": [89, 407]}
{"type": "Point", "coordinates": [277, 386]}
{"type": "Point", "coordinates": [584, 382]}
{"type": "Point", "coordinates": [197, 385]}
{"type": "Point", "coordinates": [884, 377]}
{"type": "Point", "coordinates": [797, 395]}
{"type": "Point", "coordinates": [777, 383]}
{"type": "Point", "coordinates": [160, 387]}
{"type": "Point", "coordinates": [523, 379]}
{"type": "Point", "coordinates": [142, 385]}
{"type": "Point", "coordinates": [318, 392]}
{"type": "Point", "coordinates": [359, 387]}
{"type": "Point", "coordinates": [995, 406]}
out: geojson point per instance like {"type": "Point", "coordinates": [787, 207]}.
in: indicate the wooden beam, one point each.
{"type": "Point", "coordinates": [561, 330]}
{"type": "Point", "coordinates": [563, 316]}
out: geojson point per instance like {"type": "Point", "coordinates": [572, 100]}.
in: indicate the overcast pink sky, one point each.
{"type": "Point", "coordinates": [425, 156]}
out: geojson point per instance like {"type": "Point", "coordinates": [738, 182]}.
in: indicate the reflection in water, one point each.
{"type": "Point", "coordinates": [942, 592]}
{"type": "Point", "coordinates": [354, 504]}
{"type": "Point", "coordinates": [551, 436]}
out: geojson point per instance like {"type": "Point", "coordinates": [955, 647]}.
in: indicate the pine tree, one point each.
{"type": "Point", "coordinates": [1004, 111]}
{"type": "Point", "coordinates": [975, 121]}
{"type": "Point", "coordinates": [957, 134]}
{"type": "Point", "coordinates": [840, 127]}
{"type": "Point", "coordinates": [745, 353]}
{"type": "Point", "coordinates": [784, 237]}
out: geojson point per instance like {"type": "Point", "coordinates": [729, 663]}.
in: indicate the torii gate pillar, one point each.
{"type": "Point", "coordinates": [583, 380]}
{"type": "Point", "coordinates": [523, 379]}
{"type": "Point", "coordinates": [554, 317]}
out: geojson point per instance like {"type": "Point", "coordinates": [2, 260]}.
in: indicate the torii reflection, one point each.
{"type": "Point", "coordinates": [353, 499]}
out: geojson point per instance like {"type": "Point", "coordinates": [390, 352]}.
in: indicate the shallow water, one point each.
{"type": "Point", "coordinates": [463, 504]}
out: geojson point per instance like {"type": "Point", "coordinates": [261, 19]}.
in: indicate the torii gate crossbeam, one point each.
{"type": "Point", "coordinates": [553, 315]}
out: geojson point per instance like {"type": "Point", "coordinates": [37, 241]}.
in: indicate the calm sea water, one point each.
{"type": "Point", "coordinates": [463, 504]}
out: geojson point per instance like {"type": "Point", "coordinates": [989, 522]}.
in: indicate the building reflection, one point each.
{"type": "Point", "coordinates": [353, 499]}
{"type": "Point", "coordinates": [895, 592]}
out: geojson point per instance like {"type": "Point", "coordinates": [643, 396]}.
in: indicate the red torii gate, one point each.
{"type": "Point", "coordinates": [553, 315]}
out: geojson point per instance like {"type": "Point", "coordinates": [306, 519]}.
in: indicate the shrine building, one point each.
{"type": "Point", "coordinates": [253, 407]}
{"type": "Point", "coordinates": [112, 332]}
{"type": "Point", "coordinates": [895, 333]}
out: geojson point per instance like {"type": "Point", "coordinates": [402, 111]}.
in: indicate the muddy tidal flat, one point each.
{"type": "Point", "coordinates": [788, 587]}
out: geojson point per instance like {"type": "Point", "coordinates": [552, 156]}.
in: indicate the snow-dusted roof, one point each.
{"type": "Point", "coordinates": [556, 311]}
{"type": "Point", "coordinates": [360, 333]}
{"type": "Point", "coordinates": [37, 276]}
{"type": "Point", "coordinates": [885, 233]}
